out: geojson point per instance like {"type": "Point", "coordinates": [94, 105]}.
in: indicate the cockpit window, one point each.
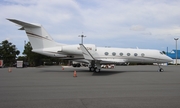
{"type": "Point", "coordinates": [161, 53]}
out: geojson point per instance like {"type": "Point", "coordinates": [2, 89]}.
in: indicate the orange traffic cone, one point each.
{"type": "Point", "coordinates": [9, 70]}
{"type": "Point", "coordinates": [75, 75]}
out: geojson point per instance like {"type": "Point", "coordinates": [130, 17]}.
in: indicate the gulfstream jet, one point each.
{"type": "Point", "coordinates": [42, 43]}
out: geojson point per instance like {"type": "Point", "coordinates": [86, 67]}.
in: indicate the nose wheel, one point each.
{"type": "Point", "coordinates": [160, 69]}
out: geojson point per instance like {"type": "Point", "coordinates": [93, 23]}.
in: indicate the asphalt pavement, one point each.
{"type": "Point", "coordinates": [121, 87]}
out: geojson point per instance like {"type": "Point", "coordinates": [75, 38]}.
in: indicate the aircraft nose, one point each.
{"type": "Point", "coordinates": [166, 59]}
{"type": "Point", "coordinates": [169, 59]}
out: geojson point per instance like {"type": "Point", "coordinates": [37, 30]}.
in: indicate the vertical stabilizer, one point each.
{"type": "Point", "coordinates": [37, 35]}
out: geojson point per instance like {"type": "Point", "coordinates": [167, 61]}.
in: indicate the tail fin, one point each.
{"type": "Point", "coordinates": [37, 35]}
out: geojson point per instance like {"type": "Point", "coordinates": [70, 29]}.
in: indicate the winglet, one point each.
{"type": "Point", "coordinates": [87, 55]}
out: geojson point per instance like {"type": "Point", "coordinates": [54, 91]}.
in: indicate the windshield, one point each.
{"type": "Point", "coordinates": [161, 53]}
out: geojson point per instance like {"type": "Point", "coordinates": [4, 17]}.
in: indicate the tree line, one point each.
{"type": "Point", "coordinates": [9, 54]}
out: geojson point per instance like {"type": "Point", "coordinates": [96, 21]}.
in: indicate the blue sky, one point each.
{"type": "Point", "coordinates": [150, 24]}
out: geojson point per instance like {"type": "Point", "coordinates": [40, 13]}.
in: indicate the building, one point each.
{"type": "Point", "coordinates": [172, 54]}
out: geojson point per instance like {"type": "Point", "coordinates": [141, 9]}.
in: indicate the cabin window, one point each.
{"type": "Point", "coordinates": [128, 54]}
{"type": "Point", "coordinates": [106, 53]}
{"type": "Point", "coordinates": [135, 54]}
{"type": "Point", "coordinates": [113, 53]}
{"type": "Point", "coordinates": [142, 54]}
{"type": "Point", "coordinates": [121, 54]}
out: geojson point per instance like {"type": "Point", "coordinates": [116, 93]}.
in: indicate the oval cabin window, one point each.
{"type": "Point", "coordinates": [135, 54]}
{"type": "Point", "coordinates": [142, 54]}
{"type": "Point", "coordinates": [113, 53]}
{"type": "Point", "coordinates": [128, 54]}
{"type": "Point", "coordinates": [121, 54]}
{"type": "Point", "coordinates": [106, 53]}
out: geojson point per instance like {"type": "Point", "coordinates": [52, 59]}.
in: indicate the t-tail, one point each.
{"type": "Point", "coordinates": [37, 35]}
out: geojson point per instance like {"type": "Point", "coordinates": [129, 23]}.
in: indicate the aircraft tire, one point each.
{"type": "Point", "coordinates": [161, 70]}
{"type": "Point", "coordinates": [97, 70]}
{"type": "Point", "coordinates": [74, 65]}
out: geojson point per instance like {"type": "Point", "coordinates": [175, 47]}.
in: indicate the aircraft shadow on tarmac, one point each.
{"type": "Point", "coordinates": [104, 72]}
{"type": "Point", "coordinates": [78, 70]}
{"type": "Point", "coordinates": [111, 72]}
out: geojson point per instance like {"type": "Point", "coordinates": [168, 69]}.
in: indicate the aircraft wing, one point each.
{"type": "Point", "coordinates": [87, 55]}
{"type": "Point", "coordinates": [91, 56]}
{"type": "Point", "coordinates": [116, 61]}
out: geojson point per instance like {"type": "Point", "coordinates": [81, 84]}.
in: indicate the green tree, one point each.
{"type": "Point", "coordinates": [34, 59]}
{"type": "Point", "coordinates": [8, 52]}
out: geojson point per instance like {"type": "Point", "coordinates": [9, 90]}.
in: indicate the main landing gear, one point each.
{"type": "Point", "coordinates": [95, 69]}
{"type": "Point", "coordinates": [95, 66]}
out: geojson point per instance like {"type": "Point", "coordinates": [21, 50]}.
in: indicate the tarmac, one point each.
{"type": "Point", "coordinates": [121, 87]}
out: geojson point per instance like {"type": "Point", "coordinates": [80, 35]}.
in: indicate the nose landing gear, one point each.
{"type": "Point", "coordinates": [160, 69]}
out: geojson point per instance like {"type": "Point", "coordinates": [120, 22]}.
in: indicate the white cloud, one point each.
{"type": "Point", "coordinates": [147, 33]}
{"type": "Point", "coordinates": [99, 20]}
{"type": "Point", "coordinates": [137, 28]}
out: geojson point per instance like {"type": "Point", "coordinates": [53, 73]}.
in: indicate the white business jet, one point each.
{"type": "Point", "coordinates": [42, 43]}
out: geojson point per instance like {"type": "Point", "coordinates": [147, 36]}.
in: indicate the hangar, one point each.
{"type": "Point", "coordinates": [172, 54]}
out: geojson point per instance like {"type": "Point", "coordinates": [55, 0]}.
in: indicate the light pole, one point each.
{"type": "Point", "coordinates": [24, 42]}
{"type": "Point", "coordinates": [82, 36]}
{"type": "Point", "coordinates": [176, 49]}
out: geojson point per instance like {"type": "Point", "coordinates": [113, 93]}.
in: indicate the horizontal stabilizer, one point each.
{"type": "Point", "coordinates": [38, 36]}
{"type": "Point", "coordinates": [24, 24]}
